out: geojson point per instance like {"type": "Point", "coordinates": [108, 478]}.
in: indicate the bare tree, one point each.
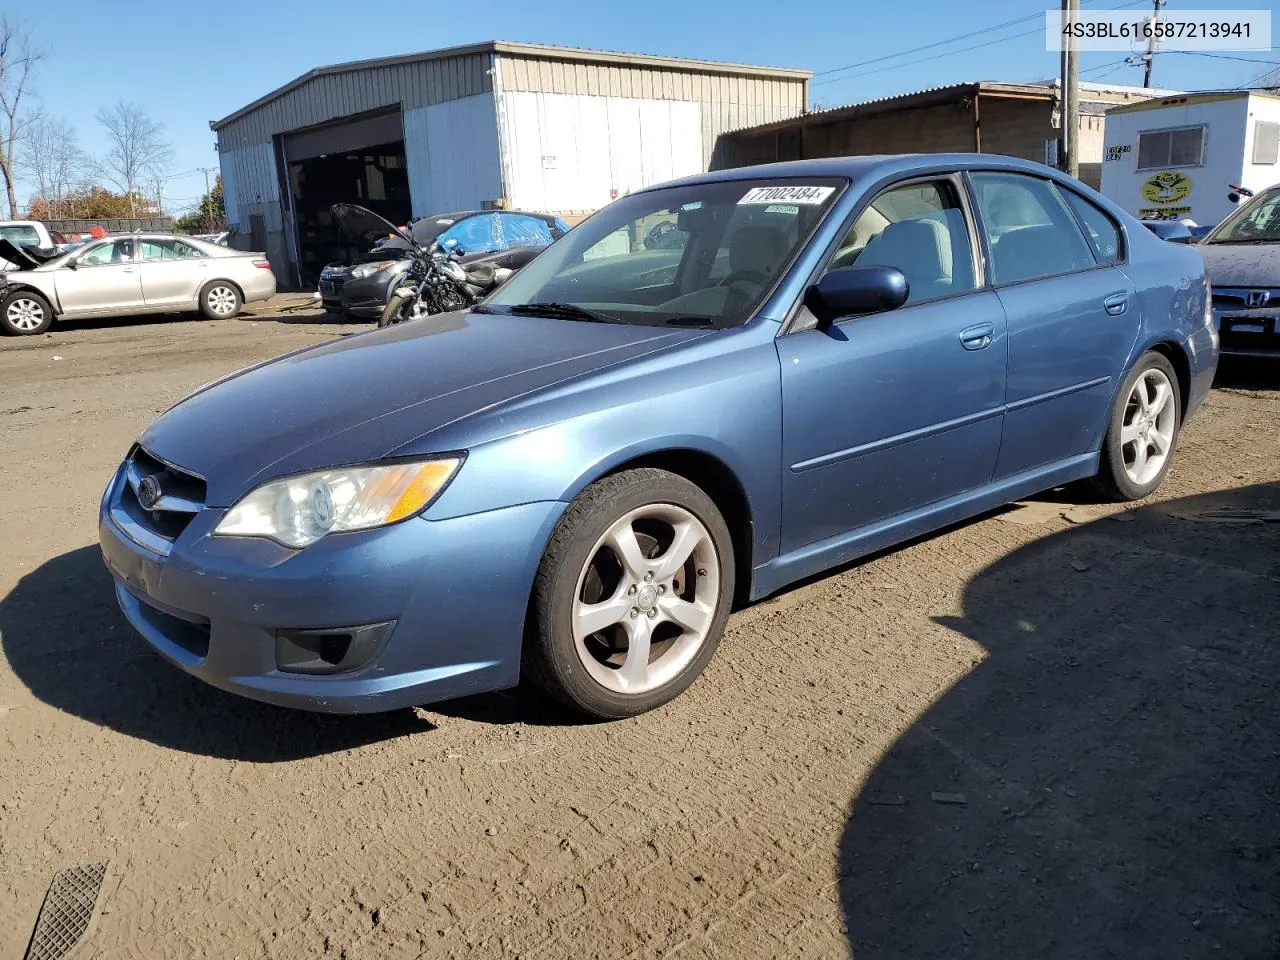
{"type": "Point", "coordinates": [18, 59]}
{"type": "Point", "coordinates": [53, 161]}
{"type": "Point", "coordinates": [138, 148]}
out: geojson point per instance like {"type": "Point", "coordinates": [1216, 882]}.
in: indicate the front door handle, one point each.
{"type": "Point", "coordinates": [1116, 304]}
{"type": "Point", "coordinates": [127, 270]}
{"type": "Point", "coordinates": [977, 336]}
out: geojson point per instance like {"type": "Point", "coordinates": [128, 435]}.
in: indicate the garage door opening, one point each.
{"type": "Point", "coordinates": [375, 177]}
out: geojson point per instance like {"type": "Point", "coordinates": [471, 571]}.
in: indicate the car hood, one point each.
{"type": "Point", "coordinates": [1242, 264]}
{"type": "Point", "coordinates": [369, 395]}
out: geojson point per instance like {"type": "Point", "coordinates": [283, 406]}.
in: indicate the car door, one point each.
{"type": "Point", "coordinates": [1072, 315]}
{"type": "Point", "coordinates": [888, 413]}
{"type": "Point", "coordinates": [172, 272]}
{"type": "Point", "coordinates": [103, 279]}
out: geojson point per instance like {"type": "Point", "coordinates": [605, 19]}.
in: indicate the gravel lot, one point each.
{"type": "Point", "coordinates": [1052, 732]}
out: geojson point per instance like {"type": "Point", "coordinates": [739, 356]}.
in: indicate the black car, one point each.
{"type": "Point", "coordinates": [360, 288]}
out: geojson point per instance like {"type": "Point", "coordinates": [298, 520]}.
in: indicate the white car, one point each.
{"type": "Point", "coordinates": [24, 233]}
{"type": "Point", "coordinates": [129, 275]}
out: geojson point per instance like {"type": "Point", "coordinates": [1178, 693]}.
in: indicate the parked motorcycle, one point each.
{"type": "Point", "coordinates": [439, 276]}
{"type": "Point", "coordinates": [436, 282]}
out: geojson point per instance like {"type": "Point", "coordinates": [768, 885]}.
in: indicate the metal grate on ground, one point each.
{"type": "Point", "coordinates": [68, 912]}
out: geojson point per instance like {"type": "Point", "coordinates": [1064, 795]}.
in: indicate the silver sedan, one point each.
{"type": "Point", "coordinates": [130, 275]}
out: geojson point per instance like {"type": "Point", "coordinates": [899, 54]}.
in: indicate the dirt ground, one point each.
{"type": "Point", "coordinates": [1051, 732]}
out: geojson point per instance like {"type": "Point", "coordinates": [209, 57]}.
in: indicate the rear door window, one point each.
{"type": "Point", "coordinates": [1030, 231]}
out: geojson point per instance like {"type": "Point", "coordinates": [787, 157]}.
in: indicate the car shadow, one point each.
{"type": "Point", "coordinates": [1104, 783]}
{"type": "Point", "coordinates": [1248, 373]}
{"type": "Point", "coordinates": [65, 638]}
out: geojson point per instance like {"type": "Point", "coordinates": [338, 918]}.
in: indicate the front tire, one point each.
{"type": "Point", "coordinates": [220, 300]}
{"type": "Point", "coordinates": [632, 595]}
{"type": "Point", "coordinates": [400, 309]}
{"type": "Point", "coordinates": [1142, 435]}
{"type": "Point", "coordinates": [24, 313]}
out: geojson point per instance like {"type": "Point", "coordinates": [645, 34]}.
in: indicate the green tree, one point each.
{"type": "Point", "coordinates": [209, 216]}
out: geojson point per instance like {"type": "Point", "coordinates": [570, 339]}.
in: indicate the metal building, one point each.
{"type": "Point", "coordinates": [525, 126]}
{"type": "Point", "coordinates": [1015, 119]}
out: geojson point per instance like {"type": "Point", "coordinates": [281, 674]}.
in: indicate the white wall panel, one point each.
{"type": "Point", "coordinates": [568, 152]}
{"type": "Point", "coordinates": [248, 181]}
{"type": "Point", "coordinates": [452, 152]}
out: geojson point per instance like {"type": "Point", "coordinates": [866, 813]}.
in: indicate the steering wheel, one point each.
{"type": "Point", "coordinates": [750, 276]}
{"type": "Point", "coordinates": [656, 233]}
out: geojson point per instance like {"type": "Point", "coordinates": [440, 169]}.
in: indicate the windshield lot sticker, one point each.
{"type": "Point", "coordinates": [810, 195]}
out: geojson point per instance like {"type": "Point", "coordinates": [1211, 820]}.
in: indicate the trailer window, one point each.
{"type": "Point", "coordinates": [1266, 142]}
{"type": "Point", "coordinates": [1183, 147]}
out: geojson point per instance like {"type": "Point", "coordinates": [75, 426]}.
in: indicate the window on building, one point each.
{"type": "Point", "coordinates": [1183, 147]}
{"type": "Point", "coordinates": [1266, 142]}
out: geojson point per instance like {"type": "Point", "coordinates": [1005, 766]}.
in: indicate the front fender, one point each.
{"type": "Point", "coordinates": [725, 404]}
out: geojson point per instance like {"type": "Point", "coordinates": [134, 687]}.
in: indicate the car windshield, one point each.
{"type": "Point", "coordinates": [1258, 221]}
{"type": "Point", "coordinates": [704, 253]}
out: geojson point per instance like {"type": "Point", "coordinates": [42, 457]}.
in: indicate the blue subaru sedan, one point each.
{"type": "Point", "coordinates": [706, 391]}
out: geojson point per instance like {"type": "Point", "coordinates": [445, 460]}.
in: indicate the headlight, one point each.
{"type": "Point", "coordinates": [369, 269]}
{"type": "Point", "coordinates": [298, 511]}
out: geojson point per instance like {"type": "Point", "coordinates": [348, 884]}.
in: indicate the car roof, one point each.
{"type": "Point", "coordinates": [860, 167]}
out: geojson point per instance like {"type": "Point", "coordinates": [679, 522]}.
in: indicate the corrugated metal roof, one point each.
{"type": "Point", "coordinates": [548, 51]}
{"type": "Point", "coordinates": [933, 96]}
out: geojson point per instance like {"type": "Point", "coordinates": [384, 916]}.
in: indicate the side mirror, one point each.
{"type": "Point", "coordinates": [1233, 197]}
{"type": "Point", "coordinates": [73, 263]}
{"type": "Point", "coordinates": [848, 291]}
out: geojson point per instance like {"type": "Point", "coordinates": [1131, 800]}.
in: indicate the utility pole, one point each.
{"type": "Point", "coordinates": [208, 212]}
{"type": "Point", "coordinates": [1150, 56]}
{"type": "Point", "coordinates": [159, 197]}
{"type": "Point", "coordinates": [1069, 161]}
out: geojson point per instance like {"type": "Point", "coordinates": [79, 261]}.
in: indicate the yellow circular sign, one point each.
{"type": "Point", "coordinates": [1167, 187]}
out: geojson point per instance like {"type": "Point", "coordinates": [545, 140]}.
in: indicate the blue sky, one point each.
{"type": "Point", "coordinates": [195, 62]}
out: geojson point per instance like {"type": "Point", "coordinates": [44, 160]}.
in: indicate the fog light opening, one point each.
{"type": "Point", "coordinates": [330, 650]}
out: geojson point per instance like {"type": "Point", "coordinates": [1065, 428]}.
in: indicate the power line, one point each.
{"type": "Point", "coordinates": [939, 43]}
{"type": "Point", "coordinates": [1221, 56]}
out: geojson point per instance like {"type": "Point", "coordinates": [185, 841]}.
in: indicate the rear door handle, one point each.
{"type": "Point", "coordinates": [1116, 304]}
{"type": "Point", "coordinates": [977, 336]}
{"type": "Point", "coordinates": [127, 270]}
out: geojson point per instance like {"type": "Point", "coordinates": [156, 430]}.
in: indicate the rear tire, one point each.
{"type": "Point", "coordinates": [24, 313]}
{"type": "Point", "coordinates": [614, 632]}
{"type": "Point", "coordinates": [220, 300]}
{"type": "Point", "coordinates": [1142, 435]}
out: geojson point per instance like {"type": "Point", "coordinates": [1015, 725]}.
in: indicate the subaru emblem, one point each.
{"type": "Point", "coordinates": [149, 492]}
{"type": "Point", "coordinates": [1257, 298]}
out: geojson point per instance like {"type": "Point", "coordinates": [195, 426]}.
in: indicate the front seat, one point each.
{"type": "Point", "coordinates": [921, 249]}
{"type": "Point", "coordinates": [758, 251]}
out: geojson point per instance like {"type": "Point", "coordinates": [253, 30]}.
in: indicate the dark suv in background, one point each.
{"type": "Point", "coordinates": [506, 238]}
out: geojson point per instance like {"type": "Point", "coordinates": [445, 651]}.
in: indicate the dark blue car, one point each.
{"type": "Point", "coordinates": [574, 482]}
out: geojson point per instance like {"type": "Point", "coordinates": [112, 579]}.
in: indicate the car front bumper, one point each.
{"type": "Point", "coordinates": [1248, 333]}
{"type": "Point", "coordinates": [448, 599]}
{"type": "Point", "coordinates": [367, 296]}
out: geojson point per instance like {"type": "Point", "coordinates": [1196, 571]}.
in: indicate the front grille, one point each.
{"type": "Point", "coordinates": [1243, 298]}
{"type": "Point", "coordinates": [332, 288]}
{"type": "Point", "coordinates": [181, 495]}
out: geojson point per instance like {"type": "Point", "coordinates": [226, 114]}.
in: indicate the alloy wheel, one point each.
{"type": "Point", "coordinates": [646, 598]}
{"type": "Point", "coordinates": [24, 314]}
{"type": "Point", "coordinates": [1146, 432]}
{"type": "Point", "coordinates": [222, 300]}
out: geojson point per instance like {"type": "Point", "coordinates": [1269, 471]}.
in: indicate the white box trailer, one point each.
{"type": "Point", "coordinates": [1176, 157]}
